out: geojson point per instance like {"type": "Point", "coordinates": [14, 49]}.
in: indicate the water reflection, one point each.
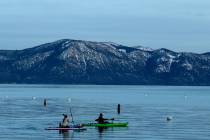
{"type": "Point", "coordinates": [101, 131]}
{"type": "Point", "coordinates": [67, 135]}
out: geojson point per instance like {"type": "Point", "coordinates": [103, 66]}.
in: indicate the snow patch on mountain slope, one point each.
{"type": "Point", "coordinates": [29, 62]}
{"type": "Point", "coordinates": [82, 55]}
{"type": "Point", "coordinates": [164, 63]}
{"type": "Point", "coordinates": [3, 57]}
{"type": "Point", "coordinates": [144, 48]}
{"type": "Point", "coordinates": [187, 66]}
{"type": "Point", "coordinates": [122, 50]}
{"type": "Point", "coordinates": [110, 44]}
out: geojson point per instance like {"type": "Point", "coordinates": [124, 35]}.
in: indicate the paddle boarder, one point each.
{"type": "Point", "coordinates": [65, 122]}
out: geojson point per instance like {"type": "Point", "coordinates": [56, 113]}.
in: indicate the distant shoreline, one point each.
{"type": "Point", "coordinates": [51, 85]}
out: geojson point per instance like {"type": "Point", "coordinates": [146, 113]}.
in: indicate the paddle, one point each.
{"type": "Point", "coordinates": [112, 119]}
{"type": "Point", "coordinates": [72, 119]}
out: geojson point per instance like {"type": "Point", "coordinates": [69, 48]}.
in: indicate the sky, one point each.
{"type": "Point", "coordinates": [179, 25]}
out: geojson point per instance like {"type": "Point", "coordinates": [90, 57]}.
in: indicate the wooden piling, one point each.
{"type": "Point", "coordinates": [118, 108]}
{"type": "Point", "coordinates": [45, 102]}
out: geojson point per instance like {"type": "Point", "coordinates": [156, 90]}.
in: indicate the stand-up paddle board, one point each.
{"type": "Point", "coordinates": [64, 129]}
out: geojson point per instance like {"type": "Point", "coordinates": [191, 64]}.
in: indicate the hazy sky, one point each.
{"type": "Point", "coordinates": [180, 25]}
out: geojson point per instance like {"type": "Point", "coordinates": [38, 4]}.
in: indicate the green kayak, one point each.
{"type": "Point", "coordinates": [107, 124]}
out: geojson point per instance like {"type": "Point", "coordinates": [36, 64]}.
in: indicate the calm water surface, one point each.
{"type": "Point", "coordinates": [23, 116]}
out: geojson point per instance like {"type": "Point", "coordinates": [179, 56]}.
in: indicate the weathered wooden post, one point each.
{"type": "Point", "coordinates": [45, 102]}
{"type": "Point", "coordinates": [118, 108]}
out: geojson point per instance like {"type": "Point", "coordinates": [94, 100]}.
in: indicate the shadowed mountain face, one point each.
{"type": "Point", "coordinates": [84, 62]}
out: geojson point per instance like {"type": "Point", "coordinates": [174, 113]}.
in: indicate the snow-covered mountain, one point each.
{"type": "Point", "coordinates": [84, 62]}
{"type": "Point", "coordinates": [144, 48]}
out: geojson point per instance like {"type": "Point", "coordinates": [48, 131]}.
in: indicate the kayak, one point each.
{"type": "Point", "coordinates": [107, 124]}
{"type": "Point", "coordinates": [65, 129]}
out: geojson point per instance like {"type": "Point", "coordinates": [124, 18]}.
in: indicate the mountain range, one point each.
{"type": "Point", "coordinates": [70, 61]}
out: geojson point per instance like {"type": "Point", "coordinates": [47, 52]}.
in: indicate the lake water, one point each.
{"type": "Point", "coordinates": [23, 116]}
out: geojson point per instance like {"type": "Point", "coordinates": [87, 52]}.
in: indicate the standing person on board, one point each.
{"type": "Point", "coordinates": [65, 122]}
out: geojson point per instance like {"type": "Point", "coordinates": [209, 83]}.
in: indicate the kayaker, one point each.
{"type": "Point", "coordinates": [102, 120]}
{"type": "Point", "coordinates": [65, 122]}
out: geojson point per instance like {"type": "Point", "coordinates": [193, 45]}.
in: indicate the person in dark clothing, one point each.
{"type": "Point", "coordinates": [102, 120]}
